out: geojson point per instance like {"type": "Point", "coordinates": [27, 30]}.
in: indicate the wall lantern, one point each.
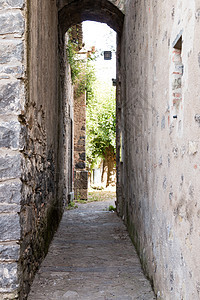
{"type": "Point", "coordinates": [114, 82]}
{"type": "Point", "coordinates": [107, 55]}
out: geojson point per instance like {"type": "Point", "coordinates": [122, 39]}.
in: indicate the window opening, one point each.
{"type": "Point", "coordinates": [177, 74]}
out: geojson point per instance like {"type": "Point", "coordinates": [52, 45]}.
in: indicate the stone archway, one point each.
{"type": "Point", "coordinates": [35, 101]}
{"type": "Point", "coordinates": [71, 13]}
{"type": "Point", "coordinates": [74, 12]}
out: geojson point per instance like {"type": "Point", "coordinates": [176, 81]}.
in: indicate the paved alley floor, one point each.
{"type": "Point", "coordinates": [91, 257]}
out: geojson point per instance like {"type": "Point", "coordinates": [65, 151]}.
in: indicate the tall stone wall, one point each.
{"type": "Point", "coordinates": [46, 121]}
{"type": "Point", "coordinates": [40, 207]}
{"type": "Point", "coordinates": [159, 137]}
{"type": "Point", "coordinates": [36, 124]}
{"type": "Point", "coordinates": [67, 97]}
{"type": "Point", "coordinates": [80, 173]}
{"type": "Point", "coordinates": [12, 100]}
{"type": "Point", "coordinates": [35, 121]}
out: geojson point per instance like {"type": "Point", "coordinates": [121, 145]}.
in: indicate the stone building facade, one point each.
{"type": "Point", "coordinates": [158, 117]}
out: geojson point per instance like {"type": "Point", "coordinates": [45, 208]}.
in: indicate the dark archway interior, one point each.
{"type": "Point", "coordinates": [81, 10]}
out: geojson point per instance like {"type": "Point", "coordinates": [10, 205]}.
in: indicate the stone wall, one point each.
{"type": "Point", "coordinates": [68, 121]}
{"type": "Point", "coordinates": [40, 212]}
{"type": "Point", "coordinates": [80, 173]}
{"type": "Point", "coordinates": [36, 127]}
{"type": "Point", "coordinates": [35, 120]}
{"type": "Point", "coordinates": [11, 103]}
{"type": "Point", "coordinates": [159, 137]}
{"type": "Point", "coordinates": [46, 122]}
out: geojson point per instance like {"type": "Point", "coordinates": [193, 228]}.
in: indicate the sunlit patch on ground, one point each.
{"type": "Point", "coordinates": [102, 195]}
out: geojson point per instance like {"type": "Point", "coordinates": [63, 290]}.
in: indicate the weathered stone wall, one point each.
{"type": "Point", "coordinates": [36, 124]}
{"type": "Point", "coordinates": [46, 122]}
{"type": "Point", "coordinates": [67, 90]}
{"type": "Point", "coordinates": [160, 142]}
{"type": "Point", "coordinates": [11, 103]}
{"type": "Point", "coordinates": [80, 173]}
{"type": "Point", "coordinates": [36, 133]}
{"type": "Point", "coordinates": [41, 204]}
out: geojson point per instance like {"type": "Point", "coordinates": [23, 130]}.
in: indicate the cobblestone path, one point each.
{"type": "Point", "coordinates": [91, 257]}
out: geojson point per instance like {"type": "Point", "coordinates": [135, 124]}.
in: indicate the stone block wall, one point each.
{"type": "Point", "coordinates": [80, 172]}
{"type": "Point", "coordinates": [12, 101]}
{"type": "Point", "coordinates": [159, 131]}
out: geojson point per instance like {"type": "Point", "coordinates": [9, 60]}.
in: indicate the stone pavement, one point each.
{"type": "Point", "coordinates": [91, 257]}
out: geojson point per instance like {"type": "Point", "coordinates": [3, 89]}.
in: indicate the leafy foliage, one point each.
{"type": "Point", "coordinates": [82, 70]}
{"type": "Point", "coordinates": [86, 79]}
{"type": "Point", "coordinates": [101, 122]}
{"type": "Point", "coordinates": [75, 63]}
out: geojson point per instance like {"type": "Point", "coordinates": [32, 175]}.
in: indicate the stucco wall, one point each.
{"type": "Point", "coordinates": [160, 143]}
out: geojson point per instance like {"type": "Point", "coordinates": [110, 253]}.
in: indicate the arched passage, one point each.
{"type": "Point", "coordinates": [73, 12]}
{"type": "Point", "coordinates": [47, 120]}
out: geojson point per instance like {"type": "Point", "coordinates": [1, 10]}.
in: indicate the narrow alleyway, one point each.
{"type": "Point", "coordinates": [91, 257]}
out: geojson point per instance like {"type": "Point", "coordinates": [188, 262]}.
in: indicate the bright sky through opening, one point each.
{"type": "Point", "coordinates": [103, 38]}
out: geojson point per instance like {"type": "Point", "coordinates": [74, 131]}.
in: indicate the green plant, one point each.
{"type": "Point", "coordinates": [100, 100]}
{"type": "Point", "coordinates": [81, 201]}
{"type": "Point", "coordinates": [86, 79]}
{"type": "Point", "coordinates": [101, 127]}
{"type": "Point", "coordinates": [82, 72]}
{"type": "Point", "coordinates": [75, 63]}
{"type": "Point", "coordinates": [112, 208]}
{"type": "Point", "coordinates": [71, 205]}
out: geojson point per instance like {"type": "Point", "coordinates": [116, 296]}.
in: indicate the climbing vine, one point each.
{"type": "Point", "coordinates": [86, 80]}
{"type": "Point", "coordinates": [82, 70]}
{"type": "Point", "coordinates": [75, 63]}
{"type": "Point", "coordinates": [101, 123]}
{"type": "Point", "coordinates": [100, 100]}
